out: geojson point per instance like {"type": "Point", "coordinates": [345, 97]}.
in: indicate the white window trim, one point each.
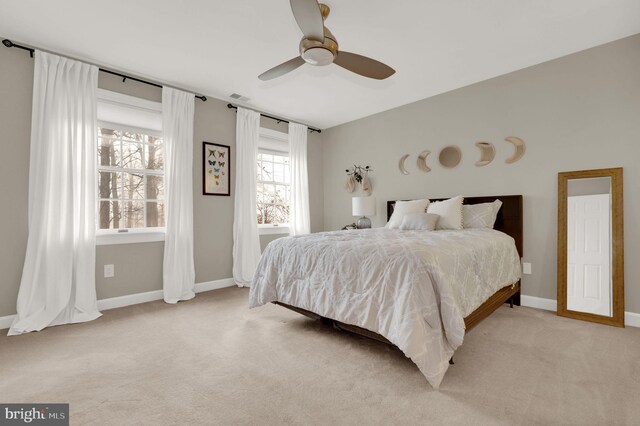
{"type": "Point", "coordinates": [131, 235]}
{"type": "Point", "coordinates": [273, 142]}
{"type": "Point", "coordinates": [129, 101]}
{"type": "Point", "coordinates": [271, 229]}
{"type": "Point", "coordinates": [132, 129]}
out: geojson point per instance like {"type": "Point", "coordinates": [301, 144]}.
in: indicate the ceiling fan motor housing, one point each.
{"type": "Point", "coordinates": [316, 52]}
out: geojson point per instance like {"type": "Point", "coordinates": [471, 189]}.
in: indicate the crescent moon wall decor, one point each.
{"type": "Point", "coordinates": [520, 149]}
{"type": "Point", "coordinates": [422, 161]}
{"type": "Point", "coordinates": [403, 170]}
{"type": "Point", "coordinates": [487, 153]}
{"type": "Point", "coordinates": [450, 156]}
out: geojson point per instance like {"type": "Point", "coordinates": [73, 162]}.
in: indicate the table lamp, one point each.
{"type": "Point", "coordinates": [363, 207]}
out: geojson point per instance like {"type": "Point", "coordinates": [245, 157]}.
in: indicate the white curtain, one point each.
{"type": "Point", "coordinates": [299, 222]}
{"type": "Point", "coordinates": [177, 133]}
{"type": "Point", "coordinates": [246, 241]}
{"type": "Point", "coordinates": [58, 277]}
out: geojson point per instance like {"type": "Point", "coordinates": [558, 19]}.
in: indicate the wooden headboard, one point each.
{"type": "Point", "coordinates": [509, 218]}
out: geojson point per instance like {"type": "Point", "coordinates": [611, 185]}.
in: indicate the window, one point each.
{"type": "Point", "coordinates": [273, 186]}
{"type": "Point", "coordinates": [130, 179]}
{"type": "Point", "coordinates": [131, 202]}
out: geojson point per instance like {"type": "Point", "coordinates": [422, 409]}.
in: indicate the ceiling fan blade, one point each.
{"type": "Point", "coordinates": [282, 69]}
{"type": "Point", "coordinates": [364, 66]}
{"type": "Point", "coordinates": [309, 18]}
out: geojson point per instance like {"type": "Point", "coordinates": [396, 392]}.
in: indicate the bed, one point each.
{"type": "Point", "coordinates": [418, 290]}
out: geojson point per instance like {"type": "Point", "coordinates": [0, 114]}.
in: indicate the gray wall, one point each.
{"type": "Point", "coordinates": [138, 267]}
{"type": "Point", "coordinates": [577, 112]}
{"type": "Point", "coordinates": [15, 130]}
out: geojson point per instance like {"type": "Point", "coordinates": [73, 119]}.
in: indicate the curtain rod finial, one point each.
{"type": "Point", "coordinates": [7, 42]}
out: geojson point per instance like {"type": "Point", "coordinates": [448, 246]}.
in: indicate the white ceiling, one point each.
{"type": "Point", "coordinates": [220, 47]}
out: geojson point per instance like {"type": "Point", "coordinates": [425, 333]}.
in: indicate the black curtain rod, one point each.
{"type": "Point", "coordinates": [279, 120]}
{"type": "Point", "coordinates": [9, 43]}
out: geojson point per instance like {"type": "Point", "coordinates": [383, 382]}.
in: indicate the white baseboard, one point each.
{"type": "Point", "coordinates": [5, 322]}
{"type": "Point", "coordinates": [129, 299]}
{"type": "Point", "coordinates": [631, 319]}
{"type": "Point", "coordinates": [214, 285]}
{"type": "Point", "coordinates": [134, 299]}
{"type": "Point", "coordinates": [538, 303]}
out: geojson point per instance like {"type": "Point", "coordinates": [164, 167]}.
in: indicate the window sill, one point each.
{"type": "Point", "coordinates": [112, 238]}
{"type": "Point", "coordinates": [273, 229]}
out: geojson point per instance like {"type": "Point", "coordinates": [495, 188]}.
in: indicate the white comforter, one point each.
{"type": "Point", "coordinates": [412, 287]}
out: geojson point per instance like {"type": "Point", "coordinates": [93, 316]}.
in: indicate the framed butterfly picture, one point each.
{"type": "Point", "coordinates": [216, 169]}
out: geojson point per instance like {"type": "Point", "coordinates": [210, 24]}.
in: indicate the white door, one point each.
{"type": "Point", "coordinates": [588, 251]}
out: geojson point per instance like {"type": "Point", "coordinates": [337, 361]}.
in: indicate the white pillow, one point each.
{"type": "Point", "coordinates": [419, 222]}
{"type": "Point", "coordinates": [480, 215]}
{"type": "Point", "coordinates": [450, 212]}
{"type": "Point", "coordinates": [405, 207]}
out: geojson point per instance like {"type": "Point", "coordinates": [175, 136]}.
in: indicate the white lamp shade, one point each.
{"type": "Point", "coordinates": [363, 206]}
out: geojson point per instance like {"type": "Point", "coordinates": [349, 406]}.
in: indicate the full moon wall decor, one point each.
{"type": "Point", "coordinates": [450, 156]}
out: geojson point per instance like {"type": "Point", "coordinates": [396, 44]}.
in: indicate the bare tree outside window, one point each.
{"type": "Point", "coordinates": [130, 179]}
{"type": "Point", "coordinates": [273, 188]}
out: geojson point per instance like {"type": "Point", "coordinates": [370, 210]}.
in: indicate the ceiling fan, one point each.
{"type": "Point", "coordinates": [319, 47]}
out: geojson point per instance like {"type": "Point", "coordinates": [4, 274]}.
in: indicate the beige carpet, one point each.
{"type": "Point", "coordinates": [213, 361]}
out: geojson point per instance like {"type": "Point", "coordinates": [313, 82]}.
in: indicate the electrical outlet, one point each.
{"type": "Point", "coordinates": [109, 271]}
{"type": "Point", "coordinates": [526, 268]}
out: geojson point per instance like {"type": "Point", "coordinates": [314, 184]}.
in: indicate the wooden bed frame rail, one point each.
{"type": "Point", "coordinates": [504, 295]}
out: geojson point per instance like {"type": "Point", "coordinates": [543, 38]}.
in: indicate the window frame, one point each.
{"type": "Point", "coordinates": [273, 142]}
{"type": "Point", "coordinates": [128, 235]}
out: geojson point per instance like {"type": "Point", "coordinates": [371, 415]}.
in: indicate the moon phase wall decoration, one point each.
{"type": "Point", "coordinates": [487, 153]}
{"type": "Point", "coordinates": [450, 156]}
{"type": "Point", "coordinates": [520, 149]}
{"type": "Point", "coordinates": [422, 161]}
{"type": "Point", "coordinates": [401, 166]}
